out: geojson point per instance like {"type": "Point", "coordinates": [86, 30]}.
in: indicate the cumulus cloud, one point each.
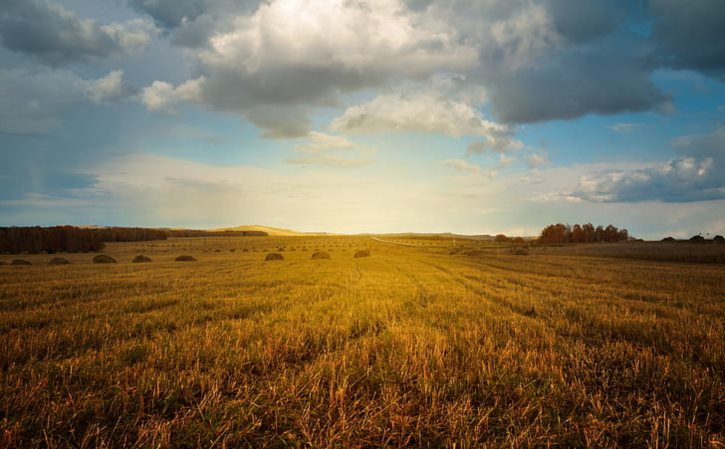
{"type": "Point", "coordinates": [108, 88]}
{"type": "Point", "coordinates": [537, 61]}
{"type": "Point", "coordinates": [421, 111]}
{"type": "Point", "coordinates": [34, 102]}
{"type": "Point", "coordinates": [304, 54]}
{"type": "Point", "coordinates": [556, 59]}
{"type": "Point", "coordinates": [163, 96]}
{"type": "Point", "coordinates": [690, 36]}
{"type": "Point", "coordinates": [678, 180]}
{"type": "Point", "coordinates": [695, 176]}
{"type": "Point", "coordinates": [328, 150]}
{"type": "Point", "coordinates": [606, 79]}
{"type": "Point", "coordinates": [55, 36]}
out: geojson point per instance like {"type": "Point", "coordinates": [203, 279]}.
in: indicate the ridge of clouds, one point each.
{"type": "Point", "coordinates": [695, 175]}
{"type": "Point", "coordinates": [52, 35]}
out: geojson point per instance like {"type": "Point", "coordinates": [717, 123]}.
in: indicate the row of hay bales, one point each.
{"type": "Point", "coordinates": [100, 259]}
{"type": "Point", "coordinates": [106, 259]}
{"type": "Point", "coordinates": [317, 255]}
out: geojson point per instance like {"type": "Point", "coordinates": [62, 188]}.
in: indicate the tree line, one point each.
{"type": "Point", "coordinates": [69, 239]}
{"type": "Point", "coordinates": [586, 233]}
{"type": "Point", "coordinates": [72, 239]}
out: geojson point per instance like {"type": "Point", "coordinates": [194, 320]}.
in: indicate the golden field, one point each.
{"type": "Point", "coordinates": [411, 347]}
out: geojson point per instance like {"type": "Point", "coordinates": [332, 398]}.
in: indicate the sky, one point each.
{"type": "Point", "coordinates": [468, 116]}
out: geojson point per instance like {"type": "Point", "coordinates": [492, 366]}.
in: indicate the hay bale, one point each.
{"type": "Point", "coordinates": [19, 262]}
{"type": "Point", "coordinates": [669, 239]}
{"type": "Point", "coordinates": [58, 261]}
{"type": "Point", "coordinates": [697, 239]}
{"type": "Point", "coordinates": [141, 259]}
{"type": "Point", "coordinates": [185, 259]}
{"type": "Point", "coordinates": [362, 253]}
{"type": "Point", "coordinates": [718, 239]}
{"type": "Point", "coordinates": [320, 255]}
{"type": "Point", "coordinates": [274, 256]}
{"type": "Point", "coordinates": [103, 258]}
{"type": "Point", "coordinates": [281, 250]}
{"type": "Point", "coordinates": [520, 251]}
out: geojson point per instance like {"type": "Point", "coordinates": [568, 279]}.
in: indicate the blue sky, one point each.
{"type": "Point", "coordinates": [369, 116]}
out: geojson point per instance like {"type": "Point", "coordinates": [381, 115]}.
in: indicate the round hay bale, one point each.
{"type": "Point", "coordinates": [669, 239]}
{"type": "Point", "coordinates": [320, 255]}
{"type": "Point", "coordinates": [274, 256]}
{"type": "Point", "coordinates": [718, 239]}
{"type": "Point", "coordinates": [103, 258]}
{"type": "Point", "coordinates": [141, 259]}
{"type": "Point", "coordinates": [185, 259]}
{"type": "Point", "coordinates": [362, 253]}
{"type": "Point", "coordinates": [281, 250]}
{"type": "Point", "coordinates": [520, 251]}
{"type": "Point", "coordinates": [58, 261]}
{"type": "Point", "coordinates": [19, 262]}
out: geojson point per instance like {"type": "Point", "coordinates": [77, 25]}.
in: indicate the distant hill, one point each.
{"type": "Point", "coordinates": [440, 235]}
{"type": "Point", "coordinates": [268, 229]}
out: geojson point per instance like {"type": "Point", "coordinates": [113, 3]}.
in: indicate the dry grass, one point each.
{"type": "Point", "coordinates": [411, 348]}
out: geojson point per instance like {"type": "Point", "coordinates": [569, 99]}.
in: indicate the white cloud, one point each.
{"type": "Point", "coordinates": [303, 54]}
{"type": "Point", "coordinates": [163, 96]}
{"type": "Point", "coordinates": [328, 150]}
{"type": "Point", "coordinates": [677, 180]}
{"type": "Point", "coordinates": [108, 88]}
{"type": "Point", "coordinates": [415, 112]}
{"type": "Point", "coordinates": [439, 109]}
{"type": "Point", "coordinates": [694, 176]}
